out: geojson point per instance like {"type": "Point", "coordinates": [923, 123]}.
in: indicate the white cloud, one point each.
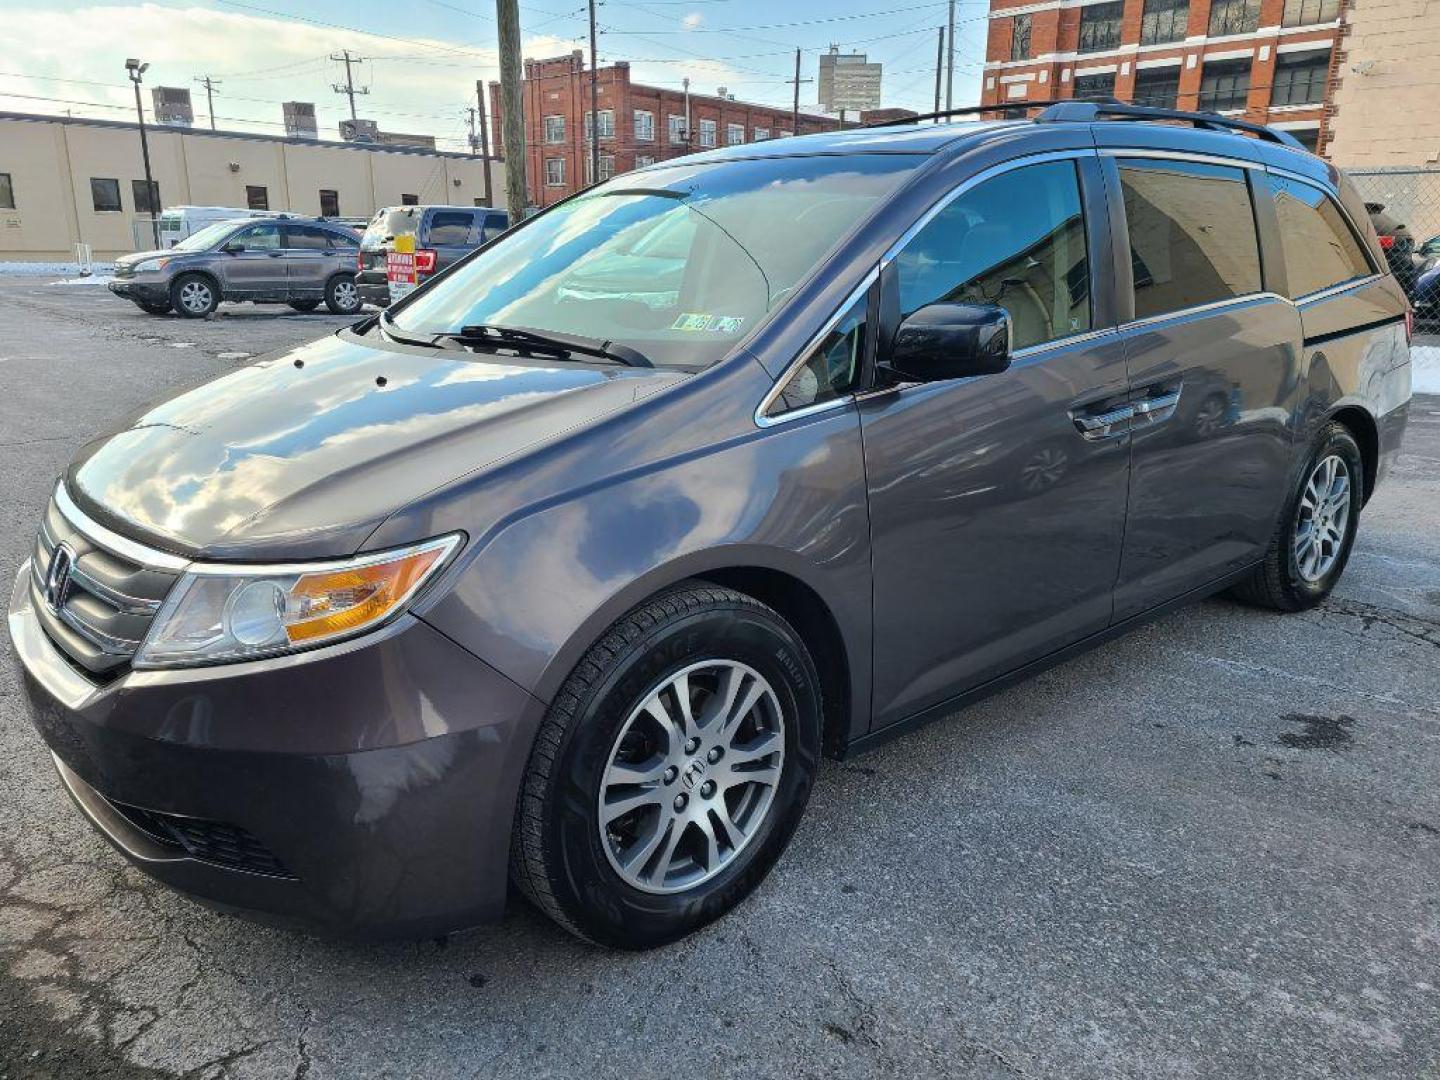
{"type": "Point", "coordinates": [691, 21]}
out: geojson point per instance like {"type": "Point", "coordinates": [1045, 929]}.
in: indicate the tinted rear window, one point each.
{"type": "Point", "coordinates": [1319, 248]}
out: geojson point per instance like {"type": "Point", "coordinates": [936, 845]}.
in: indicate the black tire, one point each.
{"type": "Point", "coordinates": [153, 309]}
{"type": "Point", "coordinates": [304, 305]}
{"type": "Point", "coordinates": [194, 296]}
{"type": "Point", "coordinates": [341, 297]}
{"type": "Point", "coordinates": [558, 857]}
{"type": "Point", "coordinates": [1278, 583]}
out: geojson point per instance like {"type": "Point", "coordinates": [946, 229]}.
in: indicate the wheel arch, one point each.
{"type": "Point", "coordinates": [1366, 431]}
{"type": "Point", "coordinates": [209, 275]}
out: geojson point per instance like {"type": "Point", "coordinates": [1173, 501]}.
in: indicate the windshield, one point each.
{"type": "Point", "coordinates": [678, 263]}
{"type": "Point", "coordinates": [389, 223]}
{"type": "Point", "coordinates": [207, 237]}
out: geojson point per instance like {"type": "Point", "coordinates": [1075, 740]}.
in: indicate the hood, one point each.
{"type": "Point", "coordinates": [141, 256]}
{"type": "Point", "coordinates": [302, 455]}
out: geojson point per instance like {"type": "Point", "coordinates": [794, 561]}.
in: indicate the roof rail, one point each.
{"type": "Point", "coordinates": [968, 110]}
{"type": "Point", "coordinates": [1083, 111]}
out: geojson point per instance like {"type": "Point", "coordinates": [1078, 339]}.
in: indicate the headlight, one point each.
{"type": "Point", "coordinates": [224, 613]}
{"type": "Point", "coordinates": [144, 266]}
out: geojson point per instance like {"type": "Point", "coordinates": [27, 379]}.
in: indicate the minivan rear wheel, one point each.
{"type": "Point", "coordinates": [671, 770]}
{"type": "Point", "coordinates": [1317, 531]}
{"type": "Point", "coordinates": [194, 296]}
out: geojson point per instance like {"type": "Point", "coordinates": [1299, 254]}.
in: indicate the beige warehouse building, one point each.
{"type": "Point", "coordinates": [65, 181]}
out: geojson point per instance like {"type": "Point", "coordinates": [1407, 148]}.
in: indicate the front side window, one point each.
{"type": "Point", "coordinates": [329, 202]}
{"type": "Point", "coordinates": [1234, 17]}
{"type": "Point", "coordinates": [1100, 26]}
{"type": "Point", "coordinates": [450, 227]}
{"type": "Point", "coordinates": [1158, 88]}
{"type": "Point", "coordinates": [554, 129]}
{"type": "Point", "coordinates": [264, 237]}
{"type": "Point", "coordinates": [831, 369]}
{"type": "Point", "coordinates": [677, 130]}
{"type": "Point", "coordinates": [554, 172]}
{"type": "Point", "coordinates": [1300, 78]}
{"type": "Point", "coordinates": [1018, 241]}
{"type": "Point", "coordinates": [1164, 20]}
{"type": "Point", "coordinates": [679, 264]}
{"type": "Point", "coordinates": [1225, 85]}
{"type": "Point", "coordinates": [256, 197]}
{"type": "Point", "coordinates": [644, 126]}
{"type": "Point", "coordinates": [1320, 249]}
{"type": "Point", "coordinates": [7, 192]}
{"type": "Point", "coordinates": [707, 132]}
{"type": "Point", "coordinates": [146, 196]}
{"type": "Point", "coordinates": [105, 195]}
{"type": "Point", "coordinates": [1020, 38]}
{"type": "Point", "coordinates": [1095, 86]}
{"type": "Point", "coordinates": [1309, 12]}
{"type": "Point", "coordinates": [1192, 234]}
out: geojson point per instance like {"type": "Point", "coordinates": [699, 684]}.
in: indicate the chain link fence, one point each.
{"type": "Point", "coordinates": [1404, 205]}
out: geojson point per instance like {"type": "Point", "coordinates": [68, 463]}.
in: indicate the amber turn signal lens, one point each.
{"type": "Point", "coordinates": [338, 601]}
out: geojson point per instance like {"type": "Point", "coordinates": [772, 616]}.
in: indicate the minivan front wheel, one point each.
{"type": "Point", "coordinates": [194, 296]}
{"type": "Point", "coordinates": [671, 770]}
{"type": "Point", "coordinates": [1313, 541]}
{"type": "Point", "coordinates": [341, 296]}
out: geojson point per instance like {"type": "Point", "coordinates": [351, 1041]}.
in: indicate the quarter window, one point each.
{"type": "Point", "coordinates": [1020, 38]}
{"type": "Point", "coordinates": [1320, 249]}
{"type": "Point", "coordinates": [1164, 20]}
{"type": "Point", "coordinates": [1192, 235]}
{"type": "Point", "coordinates": [1300, 78]}
{"type": "Point", "coordinates": [105, 195]}
{"type": "Point", "coordinates": [831, 368]}
{"type": "Point", "coordinates": [1100, 26]}
{"type": "Point", "coordinates": [1018, 241]}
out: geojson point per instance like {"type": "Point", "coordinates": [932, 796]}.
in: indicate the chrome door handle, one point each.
{"type": "Point", "coordinates": [1104, 425]}
{"type": "Point", "coordinates": [1156, 408]}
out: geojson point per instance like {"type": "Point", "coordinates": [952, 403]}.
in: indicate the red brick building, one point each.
{"type": "Point", "coordinates": [639, 125]}
{"type": "Point", "coordinates": [1269, 61]}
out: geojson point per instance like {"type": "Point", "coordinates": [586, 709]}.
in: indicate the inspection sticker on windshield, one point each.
{"type": "Point", "coordinates": [701, 321]}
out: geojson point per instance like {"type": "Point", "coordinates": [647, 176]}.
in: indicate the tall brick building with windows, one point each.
{"type": "Point", "coordinates": [1267, 61]}
{"type": "Point", "coordinates": [639, 125]}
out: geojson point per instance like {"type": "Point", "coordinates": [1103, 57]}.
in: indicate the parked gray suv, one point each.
{"type": "Point", "coordinates": [285, 260]}
{"type": "Point", "coordinates": [571, 588]}
{"type": "Point", "coordinates": [442, 236]}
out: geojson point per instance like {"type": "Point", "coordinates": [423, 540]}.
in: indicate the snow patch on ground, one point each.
{"type": "Point", "coordinates": [94, 279]}
{"type": "Point", "coordinates": [1425, 369]}
{"type": "Point", "coordinates": [53, 269]}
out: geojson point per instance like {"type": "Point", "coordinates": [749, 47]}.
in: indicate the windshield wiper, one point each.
{"type": "Point", "coordinates": [387, 328]}
{"type": "Point", "coordinates": [549, 343]}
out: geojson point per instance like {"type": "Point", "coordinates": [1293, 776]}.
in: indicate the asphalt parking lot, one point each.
{"type": "Point", "coordinates": [1211, 848]}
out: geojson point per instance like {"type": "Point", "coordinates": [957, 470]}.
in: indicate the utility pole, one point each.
{"type": "Point", "coordinates": [485, 142]}
{"type": "Point", "coordinates": [136, 70]}
{"type": "Point", "coordinates": [795, 109]}
{"type": "Point", "coordinates": [594, 104]}
{"type": "Point", "coordinates": [685, 82]}
{"type": "Point", "coordinates": [348, 89]}
{"type": "Point", "coordinates": [512, 128]}
{"type": "Point", "coordinates": [939, 67]}
{"type": "Point", "coordinates": [210, 85]}
{"type": "Point", "coordinates": [950, 62]}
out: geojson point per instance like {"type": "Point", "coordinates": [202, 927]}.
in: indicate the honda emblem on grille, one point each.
{"type": "Point", "coordinates": [57, 577]}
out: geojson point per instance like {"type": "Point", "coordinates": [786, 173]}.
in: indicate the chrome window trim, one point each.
{"type": "Point", "coordinates": [1205, 309]}
{"type": "Point", "coordinates": [1336, 290]}
{"type": "Point", "coordinates": [1180, 155]}
{"type": "Point", "coordinates": [762, 417]}
{"type": "Point", "coordinates": [1081, 338]}
{"type": "Point", "coordinates": [112, 541]}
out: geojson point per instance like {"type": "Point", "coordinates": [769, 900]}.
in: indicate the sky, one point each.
{"type": "Point", "coordinates": [422, 57]}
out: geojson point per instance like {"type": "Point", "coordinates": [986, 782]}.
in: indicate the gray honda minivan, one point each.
{"type": "Point", "coordinates": [571, 585]}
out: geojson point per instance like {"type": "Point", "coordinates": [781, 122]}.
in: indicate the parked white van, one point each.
{"type": "Point", "coordinates": [178, 222]}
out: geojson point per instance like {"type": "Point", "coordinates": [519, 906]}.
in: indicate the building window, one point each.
{"type": "Point", "coordinates": [644, 126]}
{"type": "Point", "coordinates": [734, 134]}
{"type": "Point", "coordinates": [554, 129]}
{"type": "Point", "coordinates": [554, 172]}
{"type": "Point", "coordinates": [1020, 38]}
{"type": "Point", "coordinates": [761, 134]}
{"type": "Point", "coordinates": [1234, 17]}
{"type": "Point", "coordinates": [1309, 138]}
{"type": "Point", "coordinates": [677, 130]}
{"type": "Point", "coordinates": [607, 168]}
{"type": "Point", "coordinates": [1300, 78]}
{"type": "Point", "coordinates": [1095, 86]}
{"type": "Point", "coordinates": [1224, 85]}
{"type": "Point", "coordinates": [1158, 88]}
{"type": "Point", "coordinates": [146, 196]}
{"type": "Point", "coordinates": [1307, 12]}
{"type": "Point", "coordinates": [409, 200]}
{"type": "Point", "coordinates": [329, 203]}
{"type": "Point", "coordinates": [1164, 20]}
{"type": "Point", "coordinates": [641, 160]}
{"type": "Point", "coordinates": [707, 132]}
{"type": "Point", "coordinates": [257, 198]}
{"type": "Point", "coordinates": [785, 134]}
{"type": "Point", "coordinates": [7, 192]}
{"type": "Point", "coordinates": [1100, 26]}
{"type": "Point", "coordinates": [607, 124]}
{"type": "Point", "coordinates": [105, 194]}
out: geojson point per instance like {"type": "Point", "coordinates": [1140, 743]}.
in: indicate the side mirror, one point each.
{"type": "Point", "coordinates": [950, 341]}
{"type": "Point", "coordinates": [234, 247]}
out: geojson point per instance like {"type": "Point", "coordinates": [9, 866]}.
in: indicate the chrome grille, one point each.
{"type": "Point", "coordinates": [100, 612]}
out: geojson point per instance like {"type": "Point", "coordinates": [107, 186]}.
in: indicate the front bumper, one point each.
{"type": "Point", "coordinates": [381, 774]}
{"type": "Point", "coordinates": [151, 292]}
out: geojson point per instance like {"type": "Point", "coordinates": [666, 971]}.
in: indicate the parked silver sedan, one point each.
{"type": "Point", "coordinates": [283, 260]}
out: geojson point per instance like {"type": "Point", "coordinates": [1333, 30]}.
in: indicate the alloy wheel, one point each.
{"type": "Point", "coordinates": [1324, 518]}
{"type": "Point", "coordinates": [195, 296]}
{"type": "Point", "coordinates": [346, 296]}
{"type": "Point", "coordinates": [691, 776]}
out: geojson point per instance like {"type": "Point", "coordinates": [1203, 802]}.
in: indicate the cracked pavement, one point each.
{"type": "Point", "coordinates": [1210, 848]}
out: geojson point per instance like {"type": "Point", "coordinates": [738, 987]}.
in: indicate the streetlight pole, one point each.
{"type": "Point", "coordinates": [136, 70]}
